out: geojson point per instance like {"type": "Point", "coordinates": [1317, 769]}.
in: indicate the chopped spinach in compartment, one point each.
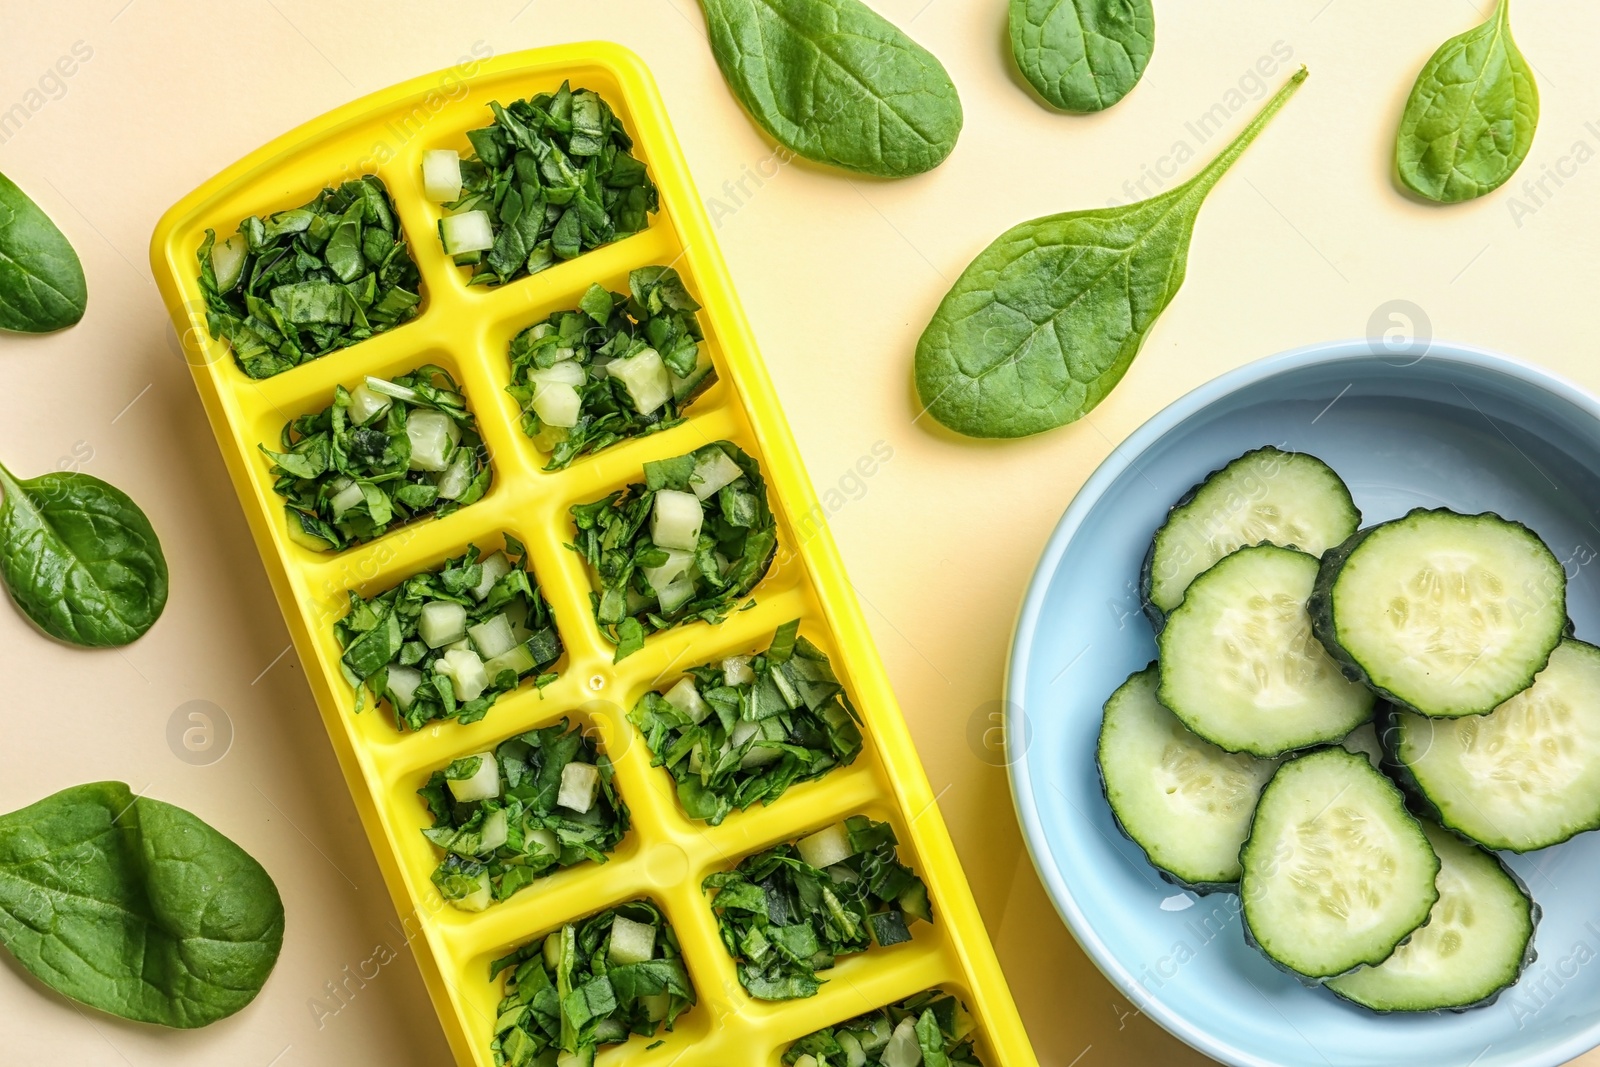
{"type": "Point", "coordinates": [684, 544]}
{"type": "Point", "coordinates": [616, 366]}
{"type": "Point", "coordinates": [931, 1028]}
{"type": "Point", "coordinates": [588, 984]}
{"type": "Point", "coordinates": [789, 912]}
{"type": "Point", "coordinates": [541, 801]}
{"type": "Point", "coordinates": [742, 731]}
{"type": "Point", "coordinates": [381, 454]}
{"type": "Point", "coordinates": [290, 287]}
{"type": "Point", "coordinates": [444, 644]}
{"type": "Point", "coordinates": [552, 178]}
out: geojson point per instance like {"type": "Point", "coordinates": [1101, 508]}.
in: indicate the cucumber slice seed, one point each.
{"type": "Point", "coordinates": [1267, 496]}
{"type": "Point", "coordinates": [1477, 940]}
{"type": "Point", "coordinates": [1240, 666]}
{"type": "Point", "coordinates": [1444, 614]}
{"type": "Point", "coordinates": [1523, 777]}
{"type": "Point", "coordinates": [1181, 799]}
{"type": "Point", "coordinates": [1336, 872]}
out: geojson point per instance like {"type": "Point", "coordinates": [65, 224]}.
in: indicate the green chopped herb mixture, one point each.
{"type": "Point", "coordinates": [290, 287]}
{"type": "Point", "coordinates": [444, 644]}
{"type": "Point", "coordinates": [381, 454]}
{"type": "Point", "coordinates": [684, 544]}
{"type": "Point", "coordinates": [743, 730]}
{"type": "Point", "coordinates": [540, 801]}
{"type": "Point", "coordinates": [931, 1028]}
{"type": "Point", "coordinates": [615, 367]}
{"type": "Point", "coordinates": [791, 911]}
{"type": "Point", "coordinates": [556, 176]}
{"type": "Point", "coordinates": [588, 984]}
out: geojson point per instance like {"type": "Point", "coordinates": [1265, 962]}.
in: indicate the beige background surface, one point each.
{"type": "Point", "coordinates": [1302, 242]}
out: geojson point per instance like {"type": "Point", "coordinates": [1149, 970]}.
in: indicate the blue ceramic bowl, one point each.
{"type": "Point", "coordinates": [1452, 426]}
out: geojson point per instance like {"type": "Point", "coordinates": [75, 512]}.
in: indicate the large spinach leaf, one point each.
{"type": "Point", "coordinates": [1082, 55]}
{"type": "Point", "coordinates": [1470, 119]}
{"type": "Point", "coordinates": [80, 559]}
{"type": "Point", "coordinates": [41, 280]}
{"type": "Point", "coordinates": [836, 83]}
{"type": "Point", "coordinates": [136, 907]}
{"type": "Point", "coordinates": [1046, 320]}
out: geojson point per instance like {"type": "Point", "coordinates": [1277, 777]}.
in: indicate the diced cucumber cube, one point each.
{"type": "Point", "coordinates": [441, 175]}
{"type": "Point", "coordinates": [903, 1049]}
{"type": "Point", "coordinates": [403, 683]}
{"type": "Point", "coordinates": [349, 497]}
{"type": "Point", "coordinates": [433, 436]}
{"type": "Point", "coordinates": [736, 671]}
{"type": "Point", "coordinates": [384, 387]}
{"type": "Point", "coordinates": [675, 520]}
{"type": "Point", "coordinates": [469, 231]}
{"type": "Point", "coordinates": [806, 1060]}
{"type": "Point", "coordinates": [686, 698]}
{"type": "Point", "coordinates": [562, 372]}
{"type": "Point", "coordinates": [479, 898]}
{"type": "Point", "coordinates": [295, 524]}
{"type": "Point", "coordinates": [492, 637]}
{"type": "Point", "coordinates": [441, 622]}
{"type": "Point", "coordinates": [493, 832]}
{"type": "Point", "coordinates": [495, 568]}
{"type": "Point", "coordinates": [584, 1057]}
{"type": "Point", "coordinates": [656, 1006]}
{"type": "Point", "coordinates": [631, 942]}
{"type": "Point", "coordinates": [458, 476]}
{"type": "Point", "coordinates": [743, 731]}
{"type": "Point", "coordinates": [465, 669]}
{"type": "Point", "coordinates": [552, 950]}
{"type": "Point", "coordinates": [645, 378]}
{"type": "Point", "coordinates": [677, 593]}
{"type": "Point", "coordinates": [518, 661]}
{"type": "Point", "coordinates": [227, 261]}
{"type": "Point", "coordinates": [854, 1054]}
{"type": "Point", "coordinates": [557, 404]}
{"type": "Point", "coordinates": [713, 471]}
{"type": "Point", "coordinates": [826, 847]}
{"type": "Point", "coordinates": [483, 785]}
{"type": "Point", "coordinates": [366, 405]}
{"type": "Point", "coordinates": [678, 563]}
{"type": "Point", "coordinates": [545, 840]}
{"type": "Point", "coordinates": [580, 784]}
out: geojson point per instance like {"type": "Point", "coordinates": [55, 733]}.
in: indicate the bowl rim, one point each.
{"type": "Point", "coordinates": [1124, 455]}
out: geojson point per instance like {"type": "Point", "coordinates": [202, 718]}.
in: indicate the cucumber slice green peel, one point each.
{"type": "Point", "coordinates": [1477, 941]}
{"type": "Point", "coordinates": [1181, 799]}
{"type": "Point", "coordinates": [1441, 613]}
{"type": "Point", "coordinates": [1336, 872]}
{"type": "Point", "coordinates": [1266, 496]}
{"type": "Point", "coordinates": [1239, 664]}
{"type": "Point", "coordinates": [1525, 776]}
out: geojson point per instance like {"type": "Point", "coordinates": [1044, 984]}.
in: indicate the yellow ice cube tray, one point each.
{"type": "Point", "coordinates": [466, 330]}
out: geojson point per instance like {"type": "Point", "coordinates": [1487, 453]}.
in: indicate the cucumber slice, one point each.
{"type": "Point", "coordinates": [1239, 664]}
{"type": "Point", "coordinates": [1523, 777]}
{"type": "Point", "coordinates": [1336, 872]}
{"type": "Point", "coordinates": [1478, 939]}
{"type": "Point", "coordinates": [1184, 801]}
{"type": "Point", "coordinates": [1265, 496]}
{"type": "Point", "coordinates": [1444, 614]}
{"type": "Point", "coordinates": [227, 261]}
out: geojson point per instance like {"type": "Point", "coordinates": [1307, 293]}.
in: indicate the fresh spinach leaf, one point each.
{"type": "Point", "coordinates": [742, 731]}
{"type": "Point", "coordinates": [1469, 121]}
{"type": "Point", "coordinates": [1082, 55]}
{"type": "Point", "coordinates": [382, 454]}
{"type": "Point", "coordinates": [290, 287]}
{"type": "Point", "coordinates": [584, 377]}
{"type": "Point", "coordinates": [1045, 321]}
{"type": "Point", "coordinates": [446, 643]}
{"type": "Point", "coordinates": [41, 281]}
{"type": "Point", "coordinates": [557, 177]}
{"type": "Point", "coordinates": [541, 818]}
{"type": "Point", "coordinates": [782, 919]}
{"type": "Point", "coordinates": [644, 586]}
{"type": "Point", "coordinates": [588, 984]}
{"type": "Point", "coordinates": [136, 907]}
{"type": "Point", "coordinates": [80, 559]}
{"type": "Point", "coordinates": [932, 1022]}
{"type": "Point", "coordinates": [835, 82]}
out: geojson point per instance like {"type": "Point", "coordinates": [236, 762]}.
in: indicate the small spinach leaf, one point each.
{"type": "Point", "coordinates": [41, 281]}
{"type": "Point", "coordinates": [1040, 327]}
{"type": "Point", "coordinates": [1082, 55]}
{"type": "Point", "coordinates": [136, 907]}
{"type": "Point", "coordinates": [80, 559]}
{"type": "Point", "coordinates": [1469, 121]}
{"type": "Point", "coordinates": [836, 83]}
